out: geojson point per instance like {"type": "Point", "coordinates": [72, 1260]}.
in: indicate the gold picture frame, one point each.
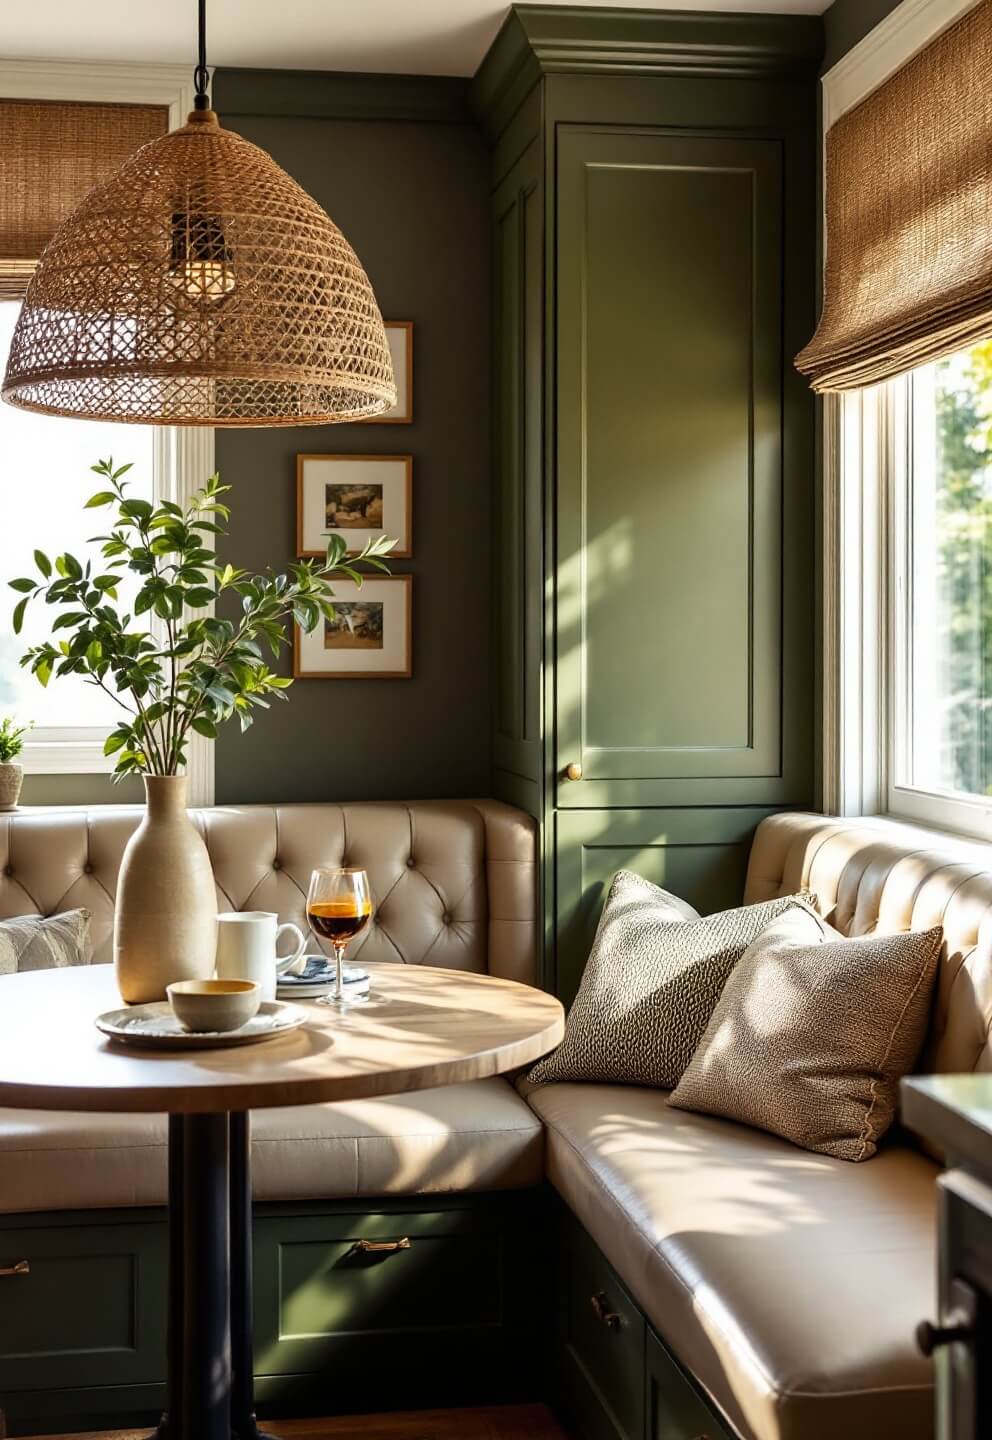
{"type": "Point", "coordinates": [371, 637]}
{"type": "Point", "coordinates": [373, 495]}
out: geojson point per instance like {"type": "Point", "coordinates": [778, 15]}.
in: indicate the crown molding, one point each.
{"type": "Point", "coordinates": [539, 40]}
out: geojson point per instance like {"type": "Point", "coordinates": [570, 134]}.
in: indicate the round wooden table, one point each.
{"type": "Point", "coordinates": [422, 1028]}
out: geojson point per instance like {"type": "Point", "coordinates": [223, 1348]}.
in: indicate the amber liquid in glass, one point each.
{"type": "Point", "coordinates": [337, 920]}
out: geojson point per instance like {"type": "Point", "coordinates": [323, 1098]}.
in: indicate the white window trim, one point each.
{"type": "Point", "coordinates": [184, 456]}
{"type": "Point", "coordinates": [860, 455]}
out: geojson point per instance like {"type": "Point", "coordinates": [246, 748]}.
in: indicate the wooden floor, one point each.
{"type": "Point", "coordinates": [502, 1422]}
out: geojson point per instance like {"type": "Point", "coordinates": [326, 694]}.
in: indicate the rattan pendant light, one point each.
{"type": "Point", "coordinates": [200, 286]}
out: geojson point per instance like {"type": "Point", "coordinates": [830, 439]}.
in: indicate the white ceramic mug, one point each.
{"type": "Point", "coordinates": [246, 948]}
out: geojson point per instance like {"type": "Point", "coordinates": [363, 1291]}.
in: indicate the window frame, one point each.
{"type": "Point", "coordinates": [866, 456]}
{"type": "Point", "coordinates": [183, 457]}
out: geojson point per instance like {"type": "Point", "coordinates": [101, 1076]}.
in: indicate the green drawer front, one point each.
{"type": "Point", "coordinates": [89, 1311]}
{"type": "Point", "coordinates": [318, 1293]}
{"type": "Point", "coordinates": [604, 1341]}
{"type": "Point", "coordinates": [675, 1411]}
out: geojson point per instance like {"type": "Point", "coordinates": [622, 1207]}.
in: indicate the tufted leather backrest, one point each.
{"type": "Point", "coordinates": [879, 876]}
{"type": "Point", "coordinates": [455, 882]}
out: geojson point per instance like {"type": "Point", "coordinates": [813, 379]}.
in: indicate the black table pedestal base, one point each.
{"type": "Point", "coordinates": [210, 1390]}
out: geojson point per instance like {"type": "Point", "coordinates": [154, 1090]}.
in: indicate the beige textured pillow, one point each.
{"type": "Point", "coordinates": [653, 976]}
{"type": "Point", "coordinates": [813, 1033]}
{"type": "Point", "coordinates": [31, 942]}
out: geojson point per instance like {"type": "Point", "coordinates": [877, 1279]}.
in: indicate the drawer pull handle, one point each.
{"type": "Point", "coordinates": [21, 1268]}
{"type": "Point", "coordinates": [382, 1247]}
{"type": "Point", "coordinates": [931, 1337]}
{"type": "Point", "coordinates": [612, 1319]}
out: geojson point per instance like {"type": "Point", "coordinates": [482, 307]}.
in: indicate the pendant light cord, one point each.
{"type": "Point", "coordinates": [201, 77]}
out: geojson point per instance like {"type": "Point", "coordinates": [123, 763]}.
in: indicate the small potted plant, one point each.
{"type": "Point", "coordinates": [11, 774]}
{"type": "Point", "coordinates": [173, 671]}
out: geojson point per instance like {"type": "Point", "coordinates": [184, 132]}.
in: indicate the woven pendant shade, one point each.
{"type": "Point", "coordinates": [200, 286]}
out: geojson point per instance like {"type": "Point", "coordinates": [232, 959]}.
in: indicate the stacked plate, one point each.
{"type": "Point", "coordinates": [318, 977]}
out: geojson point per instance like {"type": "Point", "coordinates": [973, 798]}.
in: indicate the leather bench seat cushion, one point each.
{"type": "Point", "coordinates": [787, 1283]}
{"type": "Point", "coordinates": [478, 1136]}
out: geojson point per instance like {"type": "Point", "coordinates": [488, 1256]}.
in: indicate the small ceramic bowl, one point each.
{"type": "Point", "coordinates": [214, 1005]}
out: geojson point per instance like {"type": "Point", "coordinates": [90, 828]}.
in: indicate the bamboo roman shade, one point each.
{"type": "Point", "coordinates": [53, 153]}
{"type": "Point", "coordinates": [909, 216]}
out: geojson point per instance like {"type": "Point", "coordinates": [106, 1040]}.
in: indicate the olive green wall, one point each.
{"type": "Point", "coordinates": [848, 21]}
{"type": "Point", "coordinates": [406, 179]}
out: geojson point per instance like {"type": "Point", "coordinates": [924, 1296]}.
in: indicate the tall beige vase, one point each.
{"type": "Point", "coordinates": [165, 921]}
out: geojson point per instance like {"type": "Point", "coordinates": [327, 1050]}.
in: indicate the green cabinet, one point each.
{"type": "Point", "coordinates": [81, 1303]}
{"type": "Point", "coordinates": [654, 241]}
{"type": "Point", "coordinates": [362, 1306]}
{"type": "Point", "coordinates": [602, 1350]}
{"type": "Point", "coordinates": [670, 674]}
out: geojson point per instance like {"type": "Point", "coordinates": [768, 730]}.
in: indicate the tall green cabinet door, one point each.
{"type": "Point", "coordinates": [682, 618]}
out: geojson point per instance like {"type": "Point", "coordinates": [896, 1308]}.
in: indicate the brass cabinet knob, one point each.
{"type": "Point", "coordinates": [573, 771]}
{"type": "Point", "coordinates": [22, 1267]}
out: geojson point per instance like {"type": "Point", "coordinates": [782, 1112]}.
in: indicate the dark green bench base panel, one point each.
{"type": "Point", "coordinates": [455, 1319]}
{"type": "Point", "coordinates": [615, 1378]}
{"type": "Point", "coordinates": [465, 1316]}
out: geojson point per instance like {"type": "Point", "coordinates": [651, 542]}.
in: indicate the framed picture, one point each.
{"type": "Point", "coordinates": [370, 637]}
{"type": "Point", "coordinates": [359, 497]}
{"type": "Point", "coordinates": [399, 334]}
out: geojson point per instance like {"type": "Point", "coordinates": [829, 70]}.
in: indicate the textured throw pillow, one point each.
{"type": "Point", "coordinates": [653, 976]}
{"type": "Point", "coordinates": [813, 1033]}
{"type": "Point", "coordinates": [30, 942]}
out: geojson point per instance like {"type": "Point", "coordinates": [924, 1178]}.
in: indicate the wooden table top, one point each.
{"type": "Point", "coordinates": [423, 1027]}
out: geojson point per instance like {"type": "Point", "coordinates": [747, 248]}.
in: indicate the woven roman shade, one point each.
{"type": "Point", "coordinates": [53, 152]}
{"type": "Point", "coordinates": [909, 216]}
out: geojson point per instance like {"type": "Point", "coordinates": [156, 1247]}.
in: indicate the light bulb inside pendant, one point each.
{"type": "Point", "coordinates": [200, 265]}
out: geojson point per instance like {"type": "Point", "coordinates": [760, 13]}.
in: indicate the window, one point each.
{"type": "Point", "coordinates": [940, 584]}
{"type": "Point", "coordinates": [907, 519]}
{"type": "Point", "coordinates": [44, 463]}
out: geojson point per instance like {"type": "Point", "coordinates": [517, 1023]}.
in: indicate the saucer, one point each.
{"type": "Point", "coordinates": [155, 1027]}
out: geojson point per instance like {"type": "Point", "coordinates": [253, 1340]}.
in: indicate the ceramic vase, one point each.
{"type": "Point", "coordinates": [11, 778]}
{"type": "Point", "coordinates": [165, 920]}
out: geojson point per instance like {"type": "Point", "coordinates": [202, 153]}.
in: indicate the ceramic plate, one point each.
{"type": "Point", "coordinates": [155, 1027]}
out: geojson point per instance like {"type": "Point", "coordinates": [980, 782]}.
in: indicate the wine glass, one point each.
{"type": "Point", "coordinates": [339, 906]}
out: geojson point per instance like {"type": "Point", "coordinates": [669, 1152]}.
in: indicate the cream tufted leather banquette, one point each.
{"type": "Point", "coordinates": [789, 1284]}
{"type": "Point", "coordinates": [455, 884]}
{"type": "Point", "coordinates": [879, 876]}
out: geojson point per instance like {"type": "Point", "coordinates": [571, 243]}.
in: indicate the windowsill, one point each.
{"type": "Point", "coordinates": [928, 836]}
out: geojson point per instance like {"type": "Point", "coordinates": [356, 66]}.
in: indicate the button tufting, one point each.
{"type": "Point", "coordinates": [277, 864]}
{"type": "Point", "coordinates": [87, 868]}
{"type": "Point", "coordinates": [446, 918]}
{"type": "Point", "coordinates": [8, 869]}
{"type": "Point", "coordinates": [410, 864]}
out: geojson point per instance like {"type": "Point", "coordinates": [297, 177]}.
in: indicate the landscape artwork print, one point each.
{"type": "Point", "coordinates": [357, 625]}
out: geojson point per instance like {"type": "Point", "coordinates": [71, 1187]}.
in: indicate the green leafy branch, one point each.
{"type": "Point", "coordinates": [192, 672]}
